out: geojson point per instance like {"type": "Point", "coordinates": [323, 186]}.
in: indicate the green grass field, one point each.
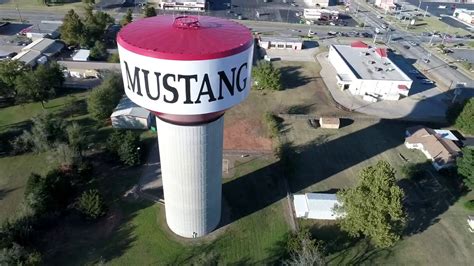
{"type": "Point", "coordinates": [427, 24]}
{"type": "Point", "coordinates": [135, 232]}
{"type": "Point", "coordinates": [15, 170]}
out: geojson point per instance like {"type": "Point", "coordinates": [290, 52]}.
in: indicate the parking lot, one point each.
{"type": "Point", "coordinates": [463, 55]}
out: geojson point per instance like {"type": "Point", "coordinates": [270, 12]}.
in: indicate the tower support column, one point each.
{"type": "Point", "coordinates": [191, 167]}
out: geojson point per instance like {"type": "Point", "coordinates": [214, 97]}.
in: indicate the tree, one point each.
{"type": "Point", "coordinates": [114, 58]}
{"type": "Point", "coordinates": [95, 26]}
{"type": "Point", "coordinates": [303, 250]}
{"type": "Point", "coordinates": [465, 166]}
{"type": "Point", "coordinates": [266, 76]}
{"type": "Point", "coordinates": [76, 137]}
{"type": "Point", "coordinates": [50, 192]}
{"type": "Point", "coordinates": [98, 51]}
{"type": "Point", "coordinates": [40, 85]}
{"type": "Point", "coordinates": [465, 120]}
{"type": "Point", "coordinates": [149, 11]}
{"type": "Point", "coordinates": [65, 155]}
{"type": "Point", "coordinates": [125, 145]}
{"type": "Point", "coordinates": [103, 99]}
{"type": "Point", "coordinates": [72, 29]}
{"type": "Point", "coordinates": [46, 131]}
{"type": "Point", "coordinates": [91, 204]}
{"type": "Point", "coordinates": [127, 18]}
{"type": "Point", "coordinates": [9, 71]}
{"type": "Point", "coordinates": [373, 208]}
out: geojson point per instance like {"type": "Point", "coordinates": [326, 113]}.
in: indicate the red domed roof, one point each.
{"type": "Point", "coordinates": [185, 37]}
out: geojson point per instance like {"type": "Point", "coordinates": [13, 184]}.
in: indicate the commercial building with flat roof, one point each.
{"type": "Point", "coordinates": [320, 14]}
{"type": "Point", "coordinates": [464, 15]}
{"type": "Point", "coordinates": [186, 5]}
{"type": "Point", "coordinates": [367, 71]}
{"type": "Point", "coordinates": [280, 43]}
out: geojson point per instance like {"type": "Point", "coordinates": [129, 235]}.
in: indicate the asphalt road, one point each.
{"type": "Point", "coordinates": [436, 68]}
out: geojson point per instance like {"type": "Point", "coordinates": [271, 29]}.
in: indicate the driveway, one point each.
{"type": "Point", "coordinates": [151, 176]}
{"type": "Point", "coordinates": [429, 105]}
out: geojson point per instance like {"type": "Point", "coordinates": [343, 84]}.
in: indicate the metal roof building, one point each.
{"type": "Point", "coordinates": [29, 57]}
{"type": "Point", "coordinates": [319, 206]}
{"type": "Point", "coordinates": [81, 55]}
{"type": "Point", "coordinates": [129, 115]}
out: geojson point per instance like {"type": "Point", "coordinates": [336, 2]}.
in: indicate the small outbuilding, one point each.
{"type": "Point", "coordinates": [81, 55]}
{"type": "Point", "coordinates": [128, 115]}
{"type": "Point", "coordinates": [470, 223]}
{"type": "Point", "coordinates": [319, 206]}
{"type": "Point", "coordinates": [329, 122]}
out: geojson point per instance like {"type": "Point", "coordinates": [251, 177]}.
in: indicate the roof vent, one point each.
{"type": "Point", "coordinates": [186, 22]}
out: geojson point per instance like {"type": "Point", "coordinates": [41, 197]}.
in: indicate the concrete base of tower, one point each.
{"type": "Point", "coordinates": [191, 168]}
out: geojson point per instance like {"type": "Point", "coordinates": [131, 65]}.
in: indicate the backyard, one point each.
{"type": "Point", "coordinates": [328, 160]}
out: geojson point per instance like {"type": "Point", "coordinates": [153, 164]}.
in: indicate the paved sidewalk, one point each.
{"type": "Point", "coordinates": [429, 105]}
{"type": "Point", "coordinates": [151, 175]}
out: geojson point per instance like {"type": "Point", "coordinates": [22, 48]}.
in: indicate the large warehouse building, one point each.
{"type": "Point", "coordinates": [367, 71]}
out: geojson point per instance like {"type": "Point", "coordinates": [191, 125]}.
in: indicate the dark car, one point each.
{"type": "Point", "coordinates": [406, 46]}
{"type": "Point", "coordinates": [453, 67]}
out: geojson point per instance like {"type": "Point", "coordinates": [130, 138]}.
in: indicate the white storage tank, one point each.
{"type": "Point", "coordinates": [187, 71]}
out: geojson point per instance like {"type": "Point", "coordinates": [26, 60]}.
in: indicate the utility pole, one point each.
{"type": "Point", "coordinates": [419, 5]}
{"type": "Point", "coordinates": [19, 14]}
{"type": "Point", "coordinates": [426, 10]}
{"type": "Point", "coordinates": [375, 37]}
{"type": "Point", "coordinates": [431, 39]}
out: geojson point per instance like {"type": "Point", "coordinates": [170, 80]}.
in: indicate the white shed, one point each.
{"type": "Point", "coordinates": [129, 115]}
{"type": "Point", "coordinates": [319, 206]}
{"type": "Point", "coordinates": [81, 55]}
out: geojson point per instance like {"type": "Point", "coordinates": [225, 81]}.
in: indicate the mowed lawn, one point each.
{"type": "Point", "coordinates": [135, 232]}
{"type": "Point", "coordinates": [15, 170]}
{"type": "Point", "coordinates": [329, 160]}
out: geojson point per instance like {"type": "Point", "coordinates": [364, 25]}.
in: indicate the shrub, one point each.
{"type": "Point", "coordinates": [46, 131]}
{"type": "Point", "coordinates": [114, 58]}
{"type": "Point", "coordinates": [469, 205]}
{"type": "Point", "coordinates": [272, 124]}
{"type": "Point", "coordinates": [266, 76]}
{"type": "Point", "coordinates": [105, 97]}
{"type": "Point", "coordinates": [21, 144]}
{"type": "Point", "coordinates": [48, 193]}
{"type": "Point", "coordinates": [90, 204]}
{"type": "Point", "coordinates": [465, 120]}
{"type": "Point", "coordinates": [125, 145]}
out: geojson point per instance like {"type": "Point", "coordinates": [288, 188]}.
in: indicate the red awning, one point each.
{"type": "Point", "coordinates": [402, 87]}
{"type": "Point", "coordinates": [382, 52]}
{"type": "Point", "coordinates": [359, 44]}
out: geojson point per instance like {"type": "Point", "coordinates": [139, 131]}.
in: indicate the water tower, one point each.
{"type": "Point", "coordinates": [188, 71]}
